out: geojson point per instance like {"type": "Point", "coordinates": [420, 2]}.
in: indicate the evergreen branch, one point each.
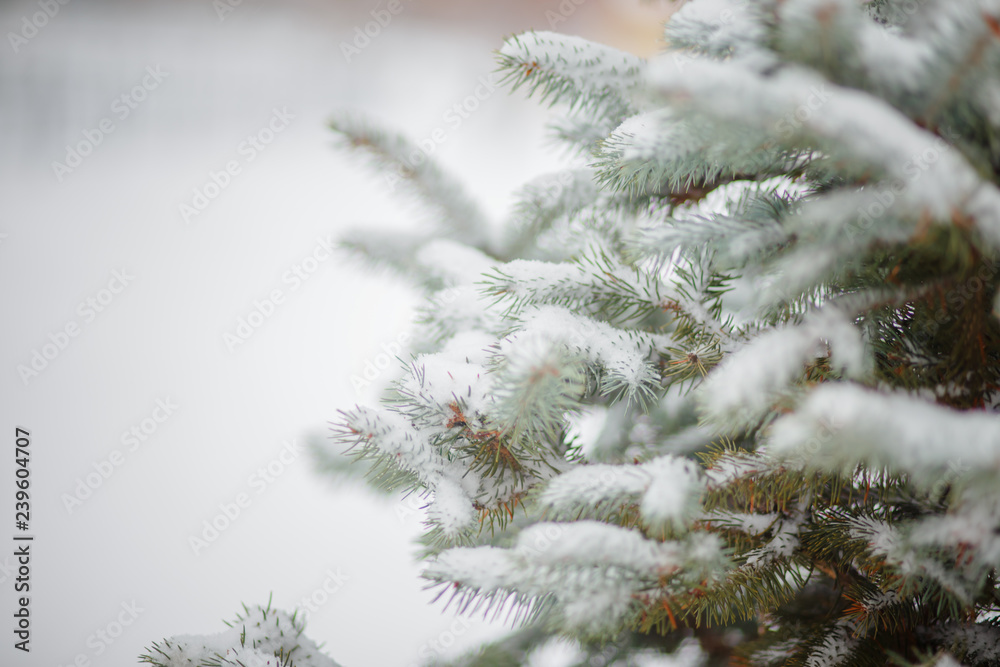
{"type": "Point", "coordinates": [589, 77]}
{"type": "Point", "coordinates": [684, 158]}
{"type": "Point", "coordinates": [404, 162]}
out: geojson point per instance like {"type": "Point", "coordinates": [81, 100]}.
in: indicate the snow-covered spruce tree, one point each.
{"type": "Point", "coordinates": [732, 378]}
{"type": "Point", "coordinates": [727, 386]}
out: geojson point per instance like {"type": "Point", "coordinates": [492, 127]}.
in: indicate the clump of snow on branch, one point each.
{"type": "Point", "coordinates": [747, 383]}
{"type": "Point", "coordinates": [408, 449]}
{"type": "Point", "coordinates": [263, 637]}
{"type": "Point", "coordinates": [624, 357]}
{"type": "Point", "coordinates": [667, 490]}
{"type": "Point", "coordinates": [839, 424]}
{"type": "Point", "coordinates": [589, 571]}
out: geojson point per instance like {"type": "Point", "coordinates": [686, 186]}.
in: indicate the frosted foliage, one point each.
{"type": "Point", "coordinates": [592, 569]}
{"type": "Point", "coordinates": [453, 484]}
{"type": "Point", "coordinates": [734, 466]}
{"type": "Point", "coordinates": [472, 347]}
{"type": "Point", "coordinates": [718, 27]}
{"type": "Point", "coordinates": [596, 543]}
{"type": "Point", "coordinates": [667, 490]}
{"type": "Point", "coordinates": [589, 284]}
{"type": "Point", "coordinates": [552, 195]}
{"type": "Point", "coordinates": [625, 356]}
{"type": "Point", "coordinates": [751, 524]}
{"type": "Point", "coordinates": [895, 62]}
{"type": "Point", "coordinates": [455, 212]}
{"type": "Point", "coordinates": [394, 436]}
{"type": "Point", "coordinates": [545, 280]}
{"type": "Point", "coordinates": [891, 543]}
{"type": "Point", "coordinates": [839, 424]}
{"type": "Point", "coordinates": [593, 485]}
{"type": "Point", "coordinates": [450, 375]}
{"type": "Point", "coordinates": [856, 126]}
{"type": "Point", "coordinates": [590, 66]}
{"type": "Point", "coordinates": [269, 633]}
{"type": "Point", "coordinates": [835, 650]}
{"type": "Point", "coordinates": [451, 508]}
{"type": "Point", "coordinates": [453, 310]}
{"type": "Point", "coordinates": [602, 430]}
{"type": "Point", "coordinates": [783, 543]}
{"type": "Point", "coordinates": [647, 136]}
{"type": "Point", "coordinates": [664, 149]}
{"type": "Point", "coordinates": [981, 642]}
{"type": "Point", "coordinates": [459, 306]}
{"type": "Point", "coordinates": [728, 363]}
{"type": "Point", "coordinates": [688, 654]}
{"type": "Point", "coordinates": [974, 524]}
{"type": "Point", "coordinates": [744, 386]}
{"type": "Point", "coordinates": [674, 492]}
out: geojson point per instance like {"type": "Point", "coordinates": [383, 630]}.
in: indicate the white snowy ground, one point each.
{"type": "Point", "coordinates": [160, 337]}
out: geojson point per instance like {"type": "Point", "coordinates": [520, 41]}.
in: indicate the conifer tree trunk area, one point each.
{"type": "Point", "coordinates": [725, 389]}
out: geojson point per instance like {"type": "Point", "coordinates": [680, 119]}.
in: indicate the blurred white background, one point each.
{"type": "Point", "coordinates": [64, 234]}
